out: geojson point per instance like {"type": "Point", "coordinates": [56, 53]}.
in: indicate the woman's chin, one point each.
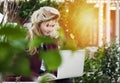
{"type": "Point", "coordinates": [47, 34]}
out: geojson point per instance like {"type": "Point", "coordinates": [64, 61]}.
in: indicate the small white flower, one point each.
{"type": "Point", "coordinates": [118, 49]}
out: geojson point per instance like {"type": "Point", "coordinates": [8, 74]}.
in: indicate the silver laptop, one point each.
{"type": "Point", "coordinates": [72, 64]}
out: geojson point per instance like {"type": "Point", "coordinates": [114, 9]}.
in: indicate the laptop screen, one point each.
{"type": "Point", "coordinates": [72, 64]}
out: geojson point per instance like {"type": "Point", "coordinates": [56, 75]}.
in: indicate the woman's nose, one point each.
{"type": "Point", "coordinates": [51, 28]}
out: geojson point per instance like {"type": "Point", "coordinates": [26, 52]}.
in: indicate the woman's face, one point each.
{"type": "Point", "coordinates": [47, 27]}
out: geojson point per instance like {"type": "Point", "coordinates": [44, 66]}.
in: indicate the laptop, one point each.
{"type": "Point", "coordinates": [72, 64]}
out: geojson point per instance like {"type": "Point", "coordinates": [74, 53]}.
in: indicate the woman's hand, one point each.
{"type": "Point", "coordinates": [46, 77]}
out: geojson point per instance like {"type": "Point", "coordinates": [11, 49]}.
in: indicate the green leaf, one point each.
{"type": "Point", "coordinates": [19, 44]}
{"type": "Point", "coordinates": [12, 31]}
{"type": "Point", "coordinates": [21, 66]}
{"type": "Point", "coordinates": [40, 39]}
{"type": "Point", "coordinates": [69, 44]}
{"type": "Point", "coordinates": [51, 58]}
{"type": "Point", "coordinates": [5, 51]}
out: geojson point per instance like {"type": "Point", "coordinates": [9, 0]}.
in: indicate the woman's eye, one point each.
{"type": "Point", "coordinates": [47, 25]}
{"type": "Point", "coordinates": [53, 25]}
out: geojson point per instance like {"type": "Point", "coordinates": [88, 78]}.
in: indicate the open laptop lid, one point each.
{"type": "Point", "coordinates": [72, 64]}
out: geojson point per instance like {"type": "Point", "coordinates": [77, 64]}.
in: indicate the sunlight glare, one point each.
{"type": "Point", "coordinates": [86, 18]}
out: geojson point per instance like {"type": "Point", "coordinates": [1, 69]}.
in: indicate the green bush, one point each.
{"type": "Point", "coordinates": [104, 68]}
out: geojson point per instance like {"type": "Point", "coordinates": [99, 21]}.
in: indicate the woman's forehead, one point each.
{"type": "Point", "coordinates": [51, 21]}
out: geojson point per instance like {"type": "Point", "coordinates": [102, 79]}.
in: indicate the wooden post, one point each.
{"type": "Point", "coordinates": [108, 31]}
{"type": "Point", "coordinates": [117, 24]}
{"type": "Point", "coordinates": [100, 37]}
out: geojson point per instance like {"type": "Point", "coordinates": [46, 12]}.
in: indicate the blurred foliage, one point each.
{"type": "Point", "coordinates": [51, 57]}
{"type": "Point", "coordinates": [69, 44]}
{"type": "Point", "coordinates": [37, 40]}
{"type": "Point", "coordinates": [66, 43]}
{"type": "Point", "coordinates": [104, 68]}
{"type": "Point", "coordinates": [13, 57]}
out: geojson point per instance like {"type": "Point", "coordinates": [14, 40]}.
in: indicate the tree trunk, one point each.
{"type": "Point", "coordinates": [5, 11]}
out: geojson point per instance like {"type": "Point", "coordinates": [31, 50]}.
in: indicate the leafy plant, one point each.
{"type": "Point", "coordinates": [13, 56]}
{"type": "Point", "coordinates": [14, 59]}
{"type": "Point", "coordinates": [111, 61]}
{"type": "Point", "coordinates": [104, 68]}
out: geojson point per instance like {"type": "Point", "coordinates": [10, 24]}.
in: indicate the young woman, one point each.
{"type": "Point", "coordinates": [44, 22]}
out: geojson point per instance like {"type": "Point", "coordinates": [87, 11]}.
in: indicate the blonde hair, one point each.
{"type": "Point", "coordinates": [41, 15]}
